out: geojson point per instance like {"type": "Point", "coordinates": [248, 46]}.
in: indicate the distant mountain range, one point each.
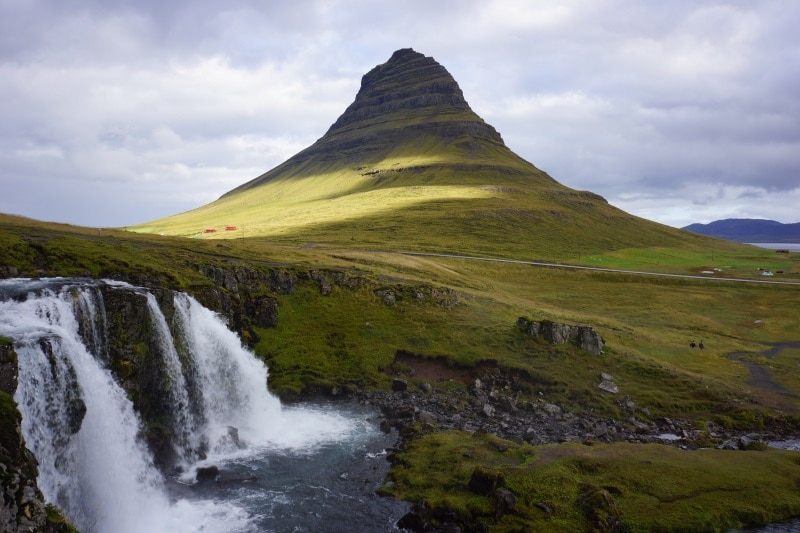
{"type": "Point", "coordinates": [749, 230]}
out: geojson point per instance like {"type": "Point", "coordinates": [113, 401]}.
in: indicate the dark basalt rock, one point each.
{"type": "Point", "coordinates": [207, 473]}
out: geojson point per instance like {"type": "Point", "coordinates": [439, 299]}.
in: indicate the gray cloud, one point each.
{"type": "Point", "coordinates": [116, 112]}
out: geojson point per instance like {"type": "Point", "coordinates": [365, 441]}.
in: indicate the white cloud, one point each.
{"type": "Point", "coordinates": [174, 103]}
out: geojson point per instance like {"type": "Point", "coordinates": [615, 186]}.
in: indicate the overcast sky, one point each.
{"type": "Point", "coordinates": [116, 112]}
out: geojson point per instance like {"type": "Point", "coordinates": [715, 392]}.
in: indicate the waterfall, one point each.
{"type": "Point", "coordinates": [82, 427]}
{"type": "Point", "coordinates": [185, 441]}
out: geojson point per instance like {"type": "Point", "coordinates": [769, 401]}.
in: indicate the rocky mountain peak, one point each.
{"type": "Point", "coordinates": [411, 100]}
{"type": "Point", "coordinates": [413, 86]}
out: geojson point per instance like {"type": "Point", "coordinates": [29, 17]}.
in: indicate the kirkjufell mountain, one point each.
{"type": "Point", "coordinates": [406, 101]}
{"type": "Point", "coordinates": [409, 165]}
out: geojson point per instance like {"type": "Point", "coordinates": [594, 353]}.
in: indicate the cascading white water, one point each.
{"type": "Point", "coordinates": [234, 391]}
{"type": "Point", "coordinates": [233, 383]}
{"type": "Point", "coordinates": [185, 439]}
{"type": "Point", "coordinates": [102, 474]}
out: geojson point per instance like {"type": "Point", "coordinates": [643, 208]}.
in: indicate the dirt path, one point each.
{"type": "Point", "coordinates": [580, 267]}
{"type": "Point", "coordinates": [760, 376]}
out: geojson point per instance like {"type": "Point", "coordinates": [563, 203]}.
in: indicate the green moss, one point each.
{"type": "Point", "coordinates": [9, 422]}
{"type": "Point", "coordinates": [55, 516]}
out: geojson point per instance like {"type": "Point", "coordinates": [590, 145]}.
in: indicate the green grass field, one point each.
{"type": "Point", "coordinates": [349, 338]}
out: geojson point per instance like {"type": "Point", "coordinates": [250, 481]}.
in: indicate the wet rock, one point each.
{"type": "Point", "coordinates": [22, 505]}
{"type": "Point", "coordinates": [207, 473]}
{"type": "Point", "coordinates": [417, 519]}
{"type": "Point", "coordinates": [233, 434]}
{"type": "Point", "coordinates": [7, 271]}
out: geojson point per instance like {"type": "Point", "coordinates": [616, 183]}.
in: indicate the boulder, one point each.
{"type": "Point", "coordinates": [589, 340]}
{"type": "Point", "coordinates": [600, 509]}
{"type": "Point", "coordinates": [485, 480]}
{"type": "Point", "coordinates": [282, 282]}
{"type": "Point", "coordinates": [504, 503]}
{"type": "Point", "coordinates": [324, 283]}
{"type": "Point", "coordinates": [607, 384]}
{"type": "Point", "coordinates": [417, 519]}
{"type": "Point", "coordinates": [207, 473]}
{"type": "Point", "coordinates": [388, 296]}
{"type": "Point", "coordinates": [399, 385]}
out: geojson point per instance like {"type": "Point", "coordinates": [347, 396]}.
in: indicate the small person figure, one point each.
{"type": "Point", "coordinates": [700, 345]}
{"type": "Point", "coordinates": [692, 344]}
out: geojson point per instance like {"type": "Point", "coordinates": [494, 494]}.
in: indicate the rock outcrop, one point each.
{"type": "Point", "coordinates": [585, 337]}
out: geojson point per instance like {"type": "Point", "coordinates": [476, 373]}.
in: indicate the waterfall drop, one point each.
{"type": "Point", "coordinates": [80, 422]}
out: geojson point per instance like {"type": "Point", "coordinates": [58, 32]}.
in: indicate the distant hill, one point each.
{"type": "Point", "coordinates": [749, 230]}
{"type": "Point", "coordinates": [409, 165]}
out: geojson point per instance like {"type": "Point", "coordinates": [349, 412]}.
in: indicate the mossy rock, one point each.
{"type": "Point", "coordinates": [485, 480]}
{"type": "Point", "coordinates": [600, 509]}
{"type": "Point", "coordinates": [10, 419]}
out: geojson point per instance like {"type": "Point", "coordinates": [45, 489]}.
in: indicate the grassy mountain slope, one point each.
{"type": "Point", "coordinates": [409, 165]}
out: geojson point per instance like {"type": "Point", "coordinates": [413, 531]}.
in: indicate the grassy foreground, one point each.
{"type": "Point", "coordinates": [619, 487]}
{"type": "Point", "coordinates": [349, 338]}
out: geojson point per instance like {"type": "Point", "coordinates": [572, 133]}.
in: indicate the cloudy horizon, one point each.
{"type": "Point", "coordinates": [118, 112]}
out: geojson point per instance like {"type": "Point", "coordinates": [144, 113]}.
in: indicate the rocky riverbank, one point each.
{"type": "Point", "coordinates": [492, 404]}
